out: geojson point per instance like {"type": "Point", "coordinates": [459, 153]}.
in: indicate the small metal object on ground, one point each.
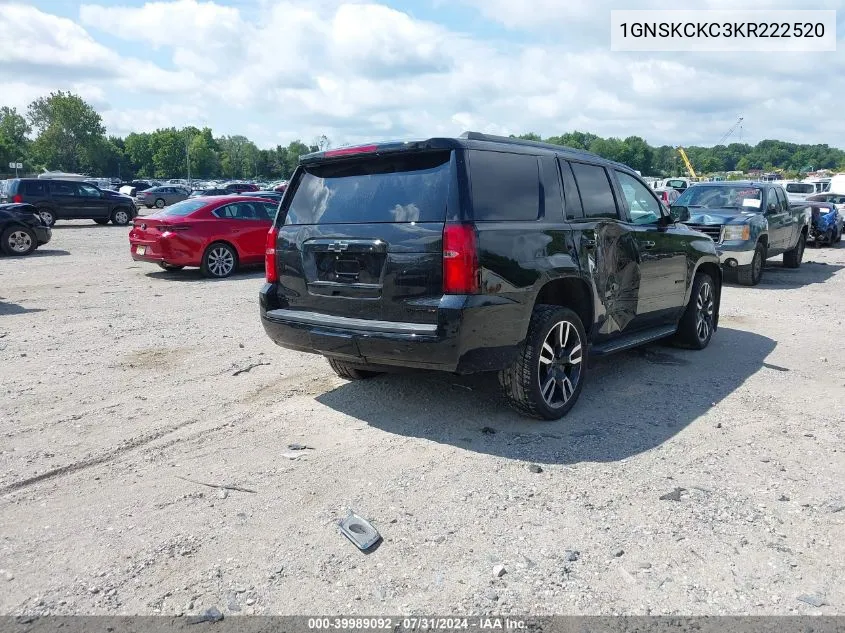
{"type": "Point", "coordinates": [359, 531]}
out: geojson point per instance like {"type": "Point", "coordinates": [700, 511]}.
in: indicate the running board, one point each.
{"type": "Point", "coordinates": [633, 340]}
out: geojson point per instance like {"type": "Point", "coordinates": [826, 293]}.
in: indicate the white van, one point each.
{"type": "Point", "coordinates": [837, 184]}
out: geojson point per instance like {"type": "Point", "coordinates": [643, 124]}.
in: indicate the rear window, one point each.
{"type": "Point", "coordinates": [676, 183]}
{"type": "Point", "coordinates": [596, 193]}
{"type": "Point", "coordinates": [35, 188]}
{"type": "Point", "coordinates": [402, 188]}
{"type": "Point", "coordinates": [800, 187]}
{"type": "Point", "coordinates": [504, 186]}
{"type": "Point", "coordinates": [181, 209]}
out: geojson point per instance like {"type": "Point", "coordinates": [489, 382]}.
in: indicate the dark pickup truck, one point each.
{"type": "Point", "coordinates": [479, 254]}
{"type": "Point", "coordinates": [750, 222]}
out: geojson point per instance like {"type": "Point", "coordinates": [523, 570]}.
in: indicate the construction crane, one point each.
{"type": "Point", "coordinates": [730, 131]}
{"type": "Point", "coordinates": [686, 162]}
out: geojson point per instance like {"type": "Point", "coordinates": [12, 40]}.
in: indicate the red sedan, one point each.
{"type": "Point", "coordinates": [218, 234]}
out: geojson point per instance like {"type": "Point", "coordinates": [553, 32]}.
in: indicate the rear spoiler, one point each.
{"type": "Point", "coordinates": [376, 149]}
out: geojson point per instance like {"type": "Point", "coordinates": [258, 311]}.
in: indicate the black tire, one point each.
{"type": "Point", "coordinates": [839, 236]}
{"type": "Point", "coordinates": [166, 266]}
{"type": "Point", "coordinates": [48, 216]}
{"type": "Point", "coordinates": [219, 261]}
{"type": "Point", "coordinates": [793, 258]}
{"type": "Point", "coordinates": [121, 216]}
{"type": "Point", "coordinates": [101, 220]}
{"type": "Point", "coordinates": [830, 237]}
{"type": "Point", "coordinates": [349, 371]}
{"type": "Point", "coordinates": [701, 316]}
{"type": "Point", "coordinates": [18, 240]}
{"type": "Point", "coordinates": [541, 365]}
{"type": "Point", "coordinates": [751, 275]}
{"type": "Point", "coordinates": [160, 203]}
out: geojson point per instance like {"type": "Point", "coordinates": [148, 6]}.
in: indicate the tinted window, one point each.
{"type": "Point", "coordinates": [269, 210]}
{"type": "Point", "coordinates": [181, 209]}
{"type": "Point", "coordinates": [88, 191]}
{"type": "Point", "coordinates": [643, 208]}
{"type": "Point", "coordinates": [800, 187]}
{"type": "Point", "coordinates": [60, 188]}
{"type": "Point", "coordinates": [596, 194]}
{"type": "Point", "coordinates": [781, 197]}
{"type": "Point", "coordinates": [676, 184]}
{"type": "Point", "coordinates": [570, 192]}
{"type": "Point", "coordinates": [722, 197]}
{"type": "Point", "coordinates": [504, 186]}
{"type": "Point", "coordinates": [35, 188]}
{"type": "Point", "coordinates": [402, 188]}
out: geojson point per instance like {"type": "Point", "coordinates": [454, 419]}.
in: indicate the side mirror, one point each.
{"type": "Point", "coordinates": [679, 213]}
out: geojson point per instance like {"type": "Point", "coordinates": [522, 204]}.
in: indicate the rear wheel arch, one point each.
{"type": "Point", "coordinates": [205, 254]}
{"type": "Point", "coordinates": [716, 274]}
{"type": "Point", "coordinates": [569, 292]}
{"type": "Point", "coordinates": [227, 243]}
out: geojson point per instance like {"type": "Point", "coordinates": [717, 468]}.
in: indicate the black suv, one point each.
{"type": "Point", "coordinates": [70, 200]}
{"type": "Point", "coordinates": [482, 253]}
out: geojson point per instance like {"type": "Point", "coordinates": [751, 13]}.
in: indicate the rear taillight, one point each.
{"type": "Point", "coordinates": [271, 274]}
{"type": "Point", "coordinates": [460, 260]}
{"type": "Point", "coordinates": [17, 198]}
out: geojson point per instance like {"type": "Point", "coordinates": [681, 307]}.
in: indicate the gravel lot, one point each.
{"type": "Point", "coordinates": [118, 384]}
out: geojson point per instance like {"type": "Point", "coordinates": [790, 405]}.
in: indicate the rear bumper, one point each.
{"type": "Point", "coordinates": [161, 251]}
{"type": "Point", "coordinates": [471, 334]}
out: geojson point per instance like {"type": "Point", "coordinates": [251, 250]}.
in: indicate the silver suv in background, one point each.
{"type": "Point", "coordinates": [160, 197]}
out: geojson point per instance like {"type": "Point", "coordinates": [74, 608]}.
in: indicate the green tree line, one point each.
{"type": "Point", "coordinates": [63, 132]}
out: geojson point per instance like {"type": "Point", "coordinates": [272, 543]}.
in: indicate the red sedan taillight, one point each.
{"type": "Point", "coordinates": [460, 260]}
{"type": "Point", "coordinates": [17, 198]}
{"type": "Point", "coordinates": [271, 274]}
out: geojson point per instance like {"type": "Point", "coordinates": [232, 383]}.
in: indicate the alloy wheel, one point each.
{"type": "Point", "coordinates": [220, 261]}
{"type": "Point", "coordinates": [121, 217]}
{"type": "Point", "coordinates": [559, 368]}
{"type": "Point", "coordinates": [704, 305]}
{"type": "Point", "coordinates": [47, 217]}
{"type": "Point", "coordinates": [20, 241]}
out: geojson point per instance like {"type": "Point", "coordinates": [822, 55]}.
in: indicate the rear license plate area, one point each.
{"type": "Point", "coordinates": [335, 344]}
{"type": "Point", "coordinates": [141, 250]}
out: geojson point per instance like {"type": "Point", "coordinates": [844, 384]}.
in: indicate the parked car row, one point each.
{"type": "Point", "coordinates": [473, 254]}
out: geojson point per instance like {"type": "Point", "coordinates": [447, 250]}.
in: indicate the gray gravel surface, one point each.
{"type": "Point", "coordinates": [682, 483]}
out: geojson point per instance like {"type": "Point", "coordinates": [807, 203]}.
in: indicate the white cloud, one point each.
{"type": "Point", "coordinates": [55, 53]}
{"type": "Point", "coordinates": [124, 121]}
{"type": "Point", "coordinates": [280, 70]}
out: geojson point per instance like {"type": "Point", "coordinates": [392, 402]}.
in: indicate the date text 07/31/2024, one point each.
{"type": "Point", "coordinates": [417, 623]}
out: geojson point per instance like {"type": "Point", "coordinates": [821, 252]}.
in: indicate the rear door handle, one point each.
{"type": "Point", "coordinates": [647, 244]}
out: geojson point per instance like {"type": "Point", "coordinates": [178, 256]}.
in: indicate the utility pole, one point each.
{"type": "Point", "coordinates": [188, 156]}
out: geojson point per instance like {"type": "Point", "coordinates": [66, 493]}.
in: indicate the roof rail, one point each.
{"type": "Point", "coordinates": [479, 136]}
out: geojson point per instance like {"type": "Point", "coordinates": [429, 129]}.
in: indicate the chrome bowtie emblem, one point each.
{"type": "Point", "coordinates": [338, 247]}
{"type": "Point", "coordinates": [143, 227]}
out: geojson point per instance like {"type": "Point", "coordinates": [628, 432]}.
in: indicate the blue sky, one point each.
{"type": "Point", "coordinates": [358, 70]}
